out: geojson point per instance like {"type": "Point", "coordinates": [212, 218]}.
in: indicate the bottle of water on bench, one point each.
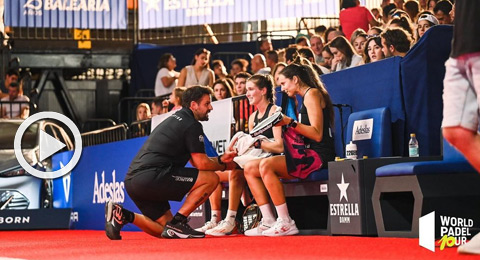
{"type": "Point", "coordinates": [413, 146]}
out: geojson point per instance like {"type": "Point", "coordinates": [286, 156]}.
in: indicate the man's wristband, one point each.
{"type": "Point", "coordinates": [220, 160]}
{"type": "Point", "coordinates": [258, 144]}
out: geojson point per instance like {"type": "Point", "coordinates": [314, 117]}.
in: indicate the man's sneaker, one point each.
{"type": "Point", "coordinates": [257, 231]}
{"type": "Point", "coordinates": [282, 228]}
{"type": "Point", "coordinates": [180, 230]}
{"type": "Point", "coordinates": [114, 220]}
{"type": "Point", "coordinates": [223, 228]}
{"type": "Point", "coordinates": [209, 225]}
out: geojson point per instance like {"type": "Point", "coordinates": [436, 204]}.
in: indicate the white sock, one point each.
{"type": "Point", "coordinates": [267, 213]}
{"type": "Point", "coordinates": [282, 211]}
{"type": "Point", "coordinates": [216, 216]}
{"type": "Point", "coordinates": [231, 216]}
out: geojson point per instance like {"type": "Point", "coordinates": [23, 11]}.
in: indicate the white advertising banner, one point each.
{"type": "Point", "coordinates": [217, 128]}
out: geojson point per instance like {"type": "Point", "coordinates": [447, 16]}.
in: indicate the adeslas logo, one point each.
{"type": "Point", "coordinates": [362, 130]}
{"type": "Point", "coordinates": [106, 191]}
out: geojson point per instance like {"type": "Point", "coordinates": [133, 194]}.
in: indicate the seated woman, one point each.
{"type": "Point", "coordinates": [316, 117]}
{"type": "Point", "coordinates": [222, 90]}
{"type": "Point", "coordinates": [260, 94]}
{"type": "Point", "coordinates": [143, 112]}
{"type": "Point", "coordinates": [373, 50]}
{"type": "Point", "coordinates": [344, 54]}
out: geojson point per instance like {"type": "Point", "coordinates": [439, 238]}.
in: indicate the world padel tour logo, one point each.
{"type": "Point", "coordinates": [453, 231]}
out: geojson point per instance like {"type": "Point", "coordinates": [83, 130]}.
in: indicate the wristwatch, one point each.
{"type": "Point", "coordinates": [293, 123]}
{"type": "Point", "coordinates": [258, 144]}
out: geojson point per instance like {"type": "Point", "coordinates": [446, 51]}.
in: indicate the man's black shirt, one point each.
{"type": "Point", "coordinates": [171, 143]}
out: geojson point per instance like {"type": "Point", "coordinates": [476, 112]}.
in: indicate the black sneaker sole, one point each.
{"type": "Point", "coordinates": [109, 228]}
{"type": "Point", "coordinates": [172, 234]}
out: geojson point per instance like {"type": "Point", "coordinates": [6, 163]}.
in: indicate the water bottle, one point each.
{"type": "Point", "coordinates": [351, 151]}
{"type": "Point", "coordinates": [413, 146]}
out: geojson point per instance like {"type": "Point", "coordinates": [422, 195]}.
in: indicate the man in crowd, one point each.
{"type": "Point", "coordinates": [442, 12]}
{"type": "Point", "coordinates": [11, 76]}
{"type": "Point", "coordinates": [259, 65]}
{"type": "Point", "coordinates": [241, 82]}
{"type": "Point", "coordinates": [272, 59]}
{"type": "Point", "coordinates": [317, 46]}
{"type": "Point", "coordinates": [15, 110]}
{"type": "Point", "coordinates": [158, 174]}
{"type": "Point", "coordinates": [395, 42]}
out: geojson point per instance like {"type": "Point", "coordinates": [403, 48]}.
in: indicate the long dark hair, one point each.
{"type": "Point", "coordinates": [226, 85]}
{"type": "Point", "coordinates": [162, 63]}
{"type": "Point", "coordinates": [198, 53]}
{"type": "Point", "coordinates": [306, 74]}
{"type": "Point", "coordinates": [264, 81]}
{"type": "Point", "coordinates": [377, 40]}
{"type": "Point", "coordinates": [344, 46]}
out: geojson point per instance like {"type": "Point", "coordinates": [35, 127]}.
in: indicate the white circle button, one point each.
{"type": "Point", "coordinates": [47, 150]}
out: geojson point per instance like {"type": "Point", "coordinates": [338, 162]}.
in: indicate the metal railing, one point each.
{"type": "Point", "coordinates": [106, 135]}
{"type": "Point", "coordinates": [17, 109]}
{"type": "Point", "coordinates": [140, 128]}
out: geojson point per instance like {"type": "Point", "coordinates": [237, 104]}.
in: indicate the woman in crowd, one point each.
{"type": "Point", "coordinates": [199, 72]}
{"type": "Point", "coordinates": [425, 21]}
{"type": "Point", "coordinates": [373, 50]}
{"type": "Point", "coordinates": [276, 72]}
{"type": "Point", "coordinates": [260, 94]}
{"type": "Point", "coordinates": [222, 90]}
{"type": "Point", "coordinates": [316, 117]}
{"type": "Point", "coordinates": [166, 79]}
{"type": "Point", "coordinates": [344, 55]}
{"type": "Point", "coordinates": [358, 39]}
{"type": "Point", "coordinates": [143, 112]}
{"type": "Point", "coordinates": [327, 56]}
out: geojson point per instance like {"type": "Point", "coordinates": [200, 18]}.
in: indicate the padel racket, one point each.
{"type": "Point", "coordinates": [266, 124]}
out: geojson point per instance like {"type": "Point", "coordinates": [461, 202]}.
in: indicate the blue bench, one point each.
{"type": "Point", "coordinates": [404, 192]}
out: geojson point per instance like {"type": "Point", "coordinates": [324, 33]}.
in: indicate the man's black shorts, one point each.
{"type": "Point", "coordinates": [152, 189]}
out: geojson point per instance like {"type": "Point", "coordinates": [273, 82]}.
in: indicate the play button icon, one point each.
{"type": "Point", "coordinates": [48, 145]}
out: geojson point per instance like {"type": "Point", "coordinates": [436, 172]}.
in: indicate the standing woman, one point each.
{"type": "Point", "coordinates": [167, 77]}
{"type": "Point", "coordinates": [316, 117]}
{"type": "Point", "coordinates": [354, 16]}
{"type": "Point", "coordinates": [199, 73]}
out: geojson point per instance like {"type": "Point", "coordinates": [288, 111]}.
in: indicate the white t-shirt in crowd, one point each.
{"type": "Point", "coordinates": [160, 89]}
{"type": "Point", "coordinates": [15, 108]}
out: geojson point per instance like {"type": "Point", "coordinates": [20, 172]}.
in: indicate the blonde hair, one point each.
{"type": "Point", "coordinates": [147, 107]}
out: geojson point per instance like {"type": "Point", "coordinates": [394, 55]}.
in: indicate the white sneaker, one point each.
{"type": "Point", "coordinates": [472, 247]}
{"type": "Point", "coordinates": [257, 231]}
{"type": "Point", "coordinates": [223, 228]}
{"type": "Point", "coordinates": [282, 228]}
{"type": "Point", "coordinates": [207, 226]}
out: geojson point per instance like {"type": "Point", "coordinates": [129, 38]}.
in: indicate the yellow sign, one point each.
{"type": "Point", "coordinates": [84, 44]}
{"type": "Point", "coordinates": [81, 35]}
